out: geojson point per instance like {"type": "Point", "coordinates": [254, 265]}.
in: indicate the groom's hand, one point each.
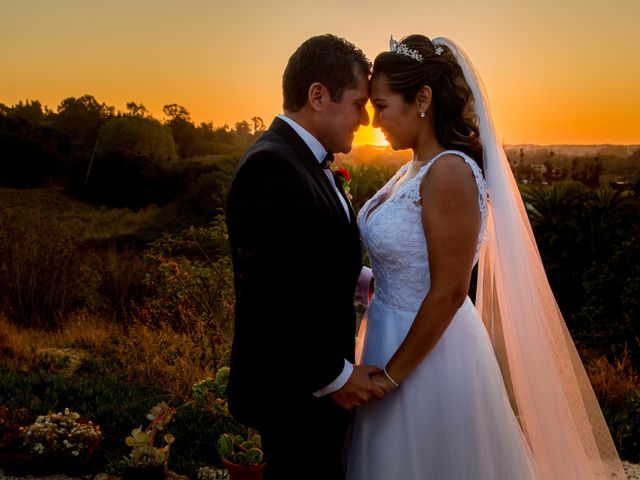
{"type": "Point", "coordinates": [359, 388]}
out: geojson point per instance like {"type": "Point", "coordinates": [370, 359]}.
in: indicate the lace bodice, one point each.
{"type": "Point", "coordinates": [392, 231]}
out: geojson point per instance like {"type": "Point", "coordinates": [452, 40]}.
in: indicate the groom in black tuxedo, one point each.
{"type": "Point", "coordinates": [297, 264]}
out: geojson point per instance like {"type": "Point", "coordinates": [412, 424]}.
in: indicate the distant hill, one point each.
{"type": "Point", "coordinates": [367, 154]}
{"type": "Point", "coordinates": [575, 150]}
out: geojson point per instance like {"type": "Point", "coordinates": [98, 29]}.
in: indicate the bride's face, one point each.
{"type": "Point", "coordinates": [397, 119]}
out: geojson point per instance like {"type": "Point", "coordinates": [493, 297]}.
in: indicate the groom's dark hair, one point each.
{"type": "Point", "coordinates": [327, 59]}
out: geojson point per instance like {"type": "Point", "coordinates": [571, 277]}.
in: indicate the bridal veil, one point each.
{"type": "Point", "coordinates": [547, 384]}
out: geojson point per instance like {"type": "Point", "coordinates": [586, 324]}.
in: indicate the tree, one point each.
{"type": "Point", "coordinates": [588, 173]}
{"type": "Point", "coordinates": [81, 118]}
{"type": "Point", "coordinates": [183, 130]}
{"type": "Point", "coordinates": [243, 133]}
{"type": "Point", "coordinates": [137, 110]}
{"type": "Point", "coordinates": [258, 125]}
{"type": "Point", "coordinates": [31, 111]}
{"type": "Point", "coordinates": [176, 112]}
{"type": "Point", "coordinates": [139, 136]}
{"type": "Point", "coordinates": [593, 171]}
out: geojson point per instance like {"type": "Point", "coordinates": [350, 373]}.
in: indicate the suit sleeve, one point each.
{"type": "Point", "coordinates": [274, 238]}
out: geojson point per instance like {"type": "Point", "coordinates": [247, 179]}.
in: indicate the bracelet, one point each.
{"type": "Point", "coordinates": [389, 377]}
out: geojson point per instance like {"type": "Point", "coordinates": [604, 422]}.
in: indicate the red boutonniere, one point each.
{"type": "Point", "coordinates": [343, 175]}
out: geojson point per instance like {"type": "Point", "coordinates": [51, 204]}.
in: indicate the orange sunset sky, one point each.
{"type": "Point", "coordinates": [557, 71]}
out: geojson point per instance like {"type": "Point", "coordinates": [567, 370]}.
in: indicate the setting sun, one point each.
{"type": "Point", "coordinates": [369, 135]}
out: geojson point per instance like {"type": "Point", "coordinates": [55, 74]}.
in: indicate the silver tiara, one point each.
{"type": "Point", "coordinates": [402, 49]}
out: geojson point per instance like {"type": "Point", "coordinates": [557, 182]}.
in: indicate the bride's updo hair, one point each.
{"type": "Point", "coordinates": [456, 124]}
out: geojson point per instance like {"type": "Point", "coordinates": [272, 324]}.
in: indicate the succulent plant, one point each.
{"type": "Point", "coordinates": [212, 392]}
{"type": "Point", "coordinates": [144, 452]}
{"type": "Point", "coordinates": [241, 449]}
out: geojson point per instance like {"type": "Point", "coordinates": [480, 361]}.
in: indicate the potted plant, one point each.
{"type": "Point", "coordinates": [146, 460]}
{"type": "Point", "coordinates": [242, 455]}
{"type": "Point", "coordinates": [240, 448]}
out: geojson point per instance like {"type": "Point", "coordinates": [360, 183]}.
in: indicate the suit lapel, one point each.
{"type": "Point", "coordinates": [309, 161]}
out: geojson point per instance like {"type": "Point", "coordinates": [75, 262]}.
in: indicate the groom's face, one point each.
{"type": "Point", "coordinates": [342, 119]}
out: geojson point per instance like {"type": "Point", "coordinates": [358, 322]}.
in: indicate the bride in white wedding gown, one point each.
{"type": "Point", "coordinates": [448, 413]}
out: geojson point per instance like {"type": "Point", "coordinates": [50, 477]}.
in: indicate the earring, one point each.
{"type": "Point", "coordinates": [423, 114]}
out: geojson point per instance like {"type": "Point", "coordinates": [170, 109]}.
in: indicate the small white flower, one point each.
{"type": "Point", "coordinates": [75, 453]}
{"type": "Point", "coordinates": [439, 50]}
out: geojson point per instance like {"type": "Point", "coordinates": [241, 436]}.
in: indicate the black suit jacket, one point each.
{"type": "Point", "coordinates": [296, 261]}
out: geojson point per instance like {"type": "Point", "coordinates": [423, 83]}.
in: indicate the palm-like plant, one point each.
{"type": "Point", "coordinates": [578, 229]}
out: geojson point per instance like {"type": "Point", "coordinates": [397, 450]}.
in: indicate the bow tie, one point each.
{"type": "Point", "coordinates": [328, 158]}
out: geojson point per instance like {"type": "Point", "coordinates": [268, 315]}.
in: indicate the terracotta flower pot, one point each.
{"type": "Point", "coordinates": [243, 472]}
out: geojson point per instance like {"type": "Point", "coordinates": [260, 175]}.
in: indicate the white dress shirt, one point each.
{"type": "Point", "coordinates": [319, 152]}
{"type": "Point", "coordinates": [364, 280]}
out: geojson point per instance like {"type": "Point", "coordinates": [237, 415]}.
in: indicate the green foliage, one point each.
{"type": "Point", "coordinates": [609, 316]}
{"type": "Point", "coordinates": [85, 137]}
{"type": "Point", "coordinates": [624, 424]}
{"type": "Point", "coordinates": [211, 393]}
{"type": "Point", "coordinates": [193, 295]}
{"type": "Point", "coordinates": [81, 118]}
{"type": "Point", "coordinates": [203, 199]}
{"type": "Point", "coordinates": [366, 180]}
{"type": "Point", "coordinates": [577, 228]}
{"type": "Point", "coordinates": [241, 449]}
{"type": "Point", "coordinates": [119, 178]}
{"type": "Point", "coordinates": [140, 136]}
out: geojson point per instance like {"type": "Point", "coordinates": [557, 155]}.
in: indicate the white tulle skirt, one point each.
{"type": "Point", "coordinates": [449, 420]}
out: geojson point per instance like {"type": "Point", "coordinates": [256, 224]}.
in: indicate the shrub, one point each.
{"type": "Point", "coordinates": [39, 270]}
{"type": "Point", "coordinates": [193, 295]}
{"type": "Point", "coordinates": [121, 282]}
{"type": "Point", "coordinates": [617, 387]}
{"type": "Point", "coordinates": [122, 179]}
{"type": "Point", "coordinates": [65, 434]}
{"type": "Point", "coordinates": [28, 162]}
{"type": "Point", "coordinates": [11, 421]}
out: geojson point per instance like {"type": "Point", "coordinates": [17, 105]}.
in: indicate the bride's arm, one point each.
{"type": "Point", "coordinates": [451, 221]}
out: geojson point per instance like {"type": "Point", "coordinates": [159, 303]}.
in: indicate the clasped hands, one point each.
{"type": "Point", "coordinates": [365, 383]}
